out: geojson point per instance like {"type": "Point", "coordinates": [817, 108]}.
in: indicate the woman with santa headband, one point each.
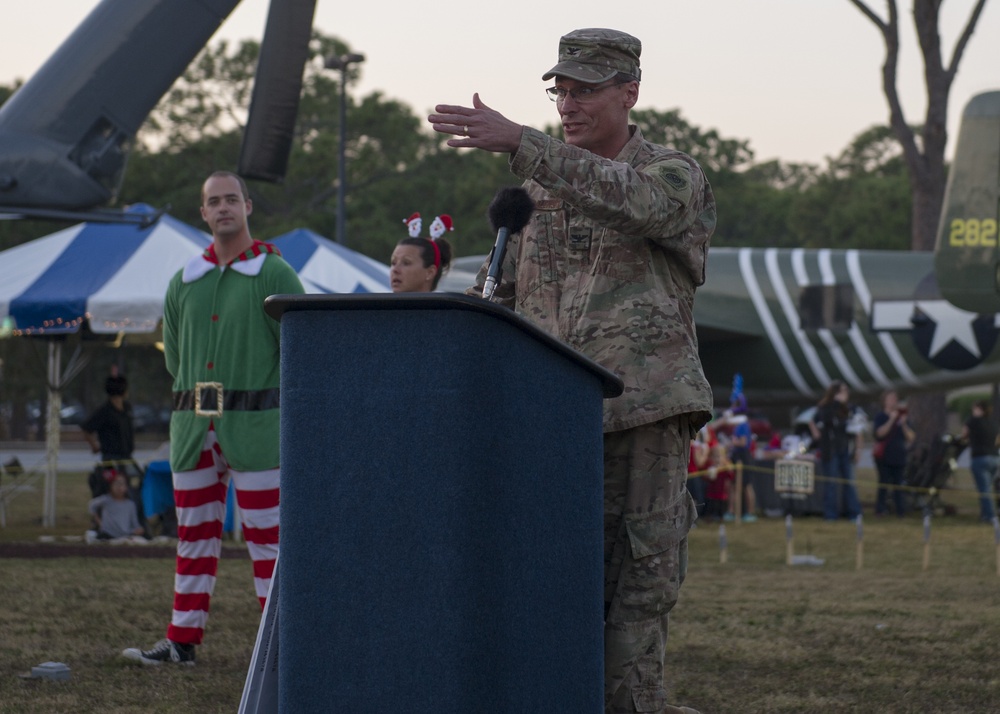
{"type": "Point", "coordinates": [418, 263]}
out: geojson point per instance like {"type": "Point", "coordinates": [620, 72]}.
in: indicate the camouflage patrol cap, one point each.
{"type": "Point", "coordinates": [596, 55]}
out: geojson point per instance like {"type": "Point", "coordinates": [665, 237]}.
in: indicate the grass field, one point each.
{"type": "Point", "coordinates": [748, 635]}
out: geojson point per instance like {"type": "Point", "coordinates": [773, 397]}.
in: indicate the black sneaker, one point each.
{"type": "Point", "coordinates": [162, 651]}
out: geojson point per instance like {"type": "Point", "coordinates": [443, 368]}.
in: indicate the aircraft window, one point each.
{"type": "Point", "coordinates": [829, 307]}
{"type": "Point", "coordinates": [101, 153]}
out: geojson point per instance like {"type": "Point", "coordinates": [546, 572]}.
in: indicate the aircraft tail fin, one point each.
{"type": "Point", "coordinates": [967, 254]}
{"type": "Point", "coordinates": [267, 140]}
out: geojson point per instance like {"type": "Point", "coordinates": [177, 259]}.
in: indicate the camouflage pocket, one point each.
{"type": "Point", "coordinates": [622, 259]}
{"type": "Point", "coordinates": [654, 533]}
{"type": "Point", "coordinates": [651, 578]}
{"type": "Point", "coordinates": [538, 262]}
{"type": "Point", "coordinates": [649, 699]}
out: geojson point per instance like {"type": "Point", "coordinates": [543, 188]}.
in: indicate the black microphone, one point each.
{"type": "Point", "coordinates": [509, 212]}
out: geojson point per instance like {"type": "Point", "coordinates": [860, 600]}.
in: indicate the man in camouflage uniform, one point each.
{"type": "Point", "coordinates": [609, 263]}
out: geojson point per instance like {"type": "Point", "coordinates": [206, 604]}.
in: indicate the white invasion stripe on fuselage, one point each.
{"type": "Point", "coordinates": [885, 339]}
{"type": "Point", "coordinates": [770, 327]}
{"type": "Point", "coordinates": [828, 277]}
{"type": "Point", "coordinates": [792, 314]}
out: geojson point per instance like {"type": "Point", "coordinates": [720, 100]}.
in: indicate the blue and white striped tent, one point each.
{"type": "Point", "coordinates": [115, 275]}
{"type": "Point", "coordinates": [329, 266]}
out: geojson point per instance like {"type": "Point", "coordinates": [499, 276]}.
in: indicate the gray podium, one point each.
{"type": "Point", "coordinates": [442, 510]}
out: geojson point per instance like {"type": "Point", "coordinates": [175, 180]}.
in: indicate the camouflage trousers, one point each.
{"type": "Point", "coordinates": [647, 515]}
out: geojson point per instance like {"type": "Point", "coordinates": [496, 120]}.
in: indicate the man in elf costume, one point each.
{"type": "Point", "coordinates": [223, 353]}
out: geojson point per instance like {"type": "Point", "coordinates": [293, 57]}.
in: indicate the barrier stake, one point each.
{"type": "Point", "coordinates": [927, 541]}
{"type": "Point", "coordinates": [996, 540]}
{"type": "Point", "coordinates": [722, 544]}
{"type": "Point", "coordinates": [738, 501]}
{"type": "Point", "coordinates": [860, 555]}
{"type": "Point", "coordinates": [789, 540]}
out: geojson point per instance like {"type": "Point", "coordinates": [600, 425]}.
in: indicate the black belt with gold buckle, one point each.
{"type": "Point", "coordinates": [210, 399]}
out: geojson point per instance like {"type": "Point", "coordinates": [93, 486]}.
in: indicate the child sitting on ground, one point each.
{"type": "Point", "coordinates": [115, 514]}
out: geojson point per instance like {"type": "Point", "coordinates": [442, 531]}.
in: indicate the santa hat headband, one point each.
{"type": "Point", "coordinates": [441, 225]}
{"type": "Point", "coordinates": [413, 225]}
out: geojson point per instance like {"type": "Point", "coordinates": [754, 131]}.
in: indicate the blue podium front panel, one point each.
{"type": "Point", "coordinates": [442, 517]}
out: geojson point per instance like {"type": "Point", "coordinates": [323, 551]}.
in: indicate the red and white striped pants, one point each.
{"type": "Point", "coordinates": [200, 499]}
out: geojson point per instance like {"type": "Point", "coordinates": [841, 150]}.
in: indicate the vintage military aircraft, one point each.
{"type": "Point", "coordinates": [791, 321]}
{"type": "Point", "coordinates": [66, 133]}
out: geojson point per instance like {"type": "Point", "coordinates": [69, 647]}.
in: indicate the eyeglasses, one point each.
{"type": "Point", "coordinates": [580, 95]}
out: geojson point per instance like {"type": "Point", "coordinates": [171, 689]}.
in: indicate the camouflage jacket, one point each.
{"type": "Point", "coordinates": [609, 263]}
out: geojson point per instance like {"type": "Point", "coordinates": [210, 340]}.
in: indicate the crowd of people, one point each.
{"type": "Point", "coordinates": [719, 451]}
{"type": "Point", "coordinates": [838, 431]}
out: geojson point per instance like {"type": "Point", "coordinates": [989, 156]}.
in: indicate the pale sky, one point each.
{"type": "Point", "coordinates": [797, 78]}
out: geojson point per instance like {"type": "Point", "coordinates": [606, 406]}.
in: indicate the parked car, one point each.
{"type": "Point", "coordinates": [69, 414]}
{"type": "Point", "coordinates": [148, 418]}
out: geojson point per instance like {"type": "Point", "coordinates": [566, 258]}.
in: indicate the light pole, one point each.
{"type": "Point", "coordinates": [342, 63]}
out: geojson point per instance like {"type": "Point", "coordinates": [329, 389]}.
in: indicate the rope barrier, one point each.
{"type": "Point", "coordinates": [930, 491]}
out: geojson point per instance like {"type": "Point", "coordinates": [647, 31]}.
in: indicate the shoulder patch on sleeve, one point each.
{"type": "Point", "coordinates": [675, 176]}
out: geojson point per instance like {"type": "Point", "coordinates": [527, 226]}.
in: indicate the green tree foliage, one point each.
{"type": "Point", "coordinates": [707, 147]}
{"type": "Point", "coordinates": [722, 160]}
{"type": "Point", "coordinates": [866, 212]}
{"type": "Point", "coordinates": [862, 200]}
{"type": "Point", "coordinates": [208, 100]}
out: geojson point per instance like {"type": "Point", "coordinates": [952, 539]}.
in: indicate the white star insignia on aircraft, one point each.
{"type": "Point", "coordinates": [950, 323]}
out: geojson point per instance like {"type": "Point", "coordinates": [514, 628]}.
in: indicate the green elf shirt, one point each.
{"type": "Point", "coordinates": [215, 330]}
